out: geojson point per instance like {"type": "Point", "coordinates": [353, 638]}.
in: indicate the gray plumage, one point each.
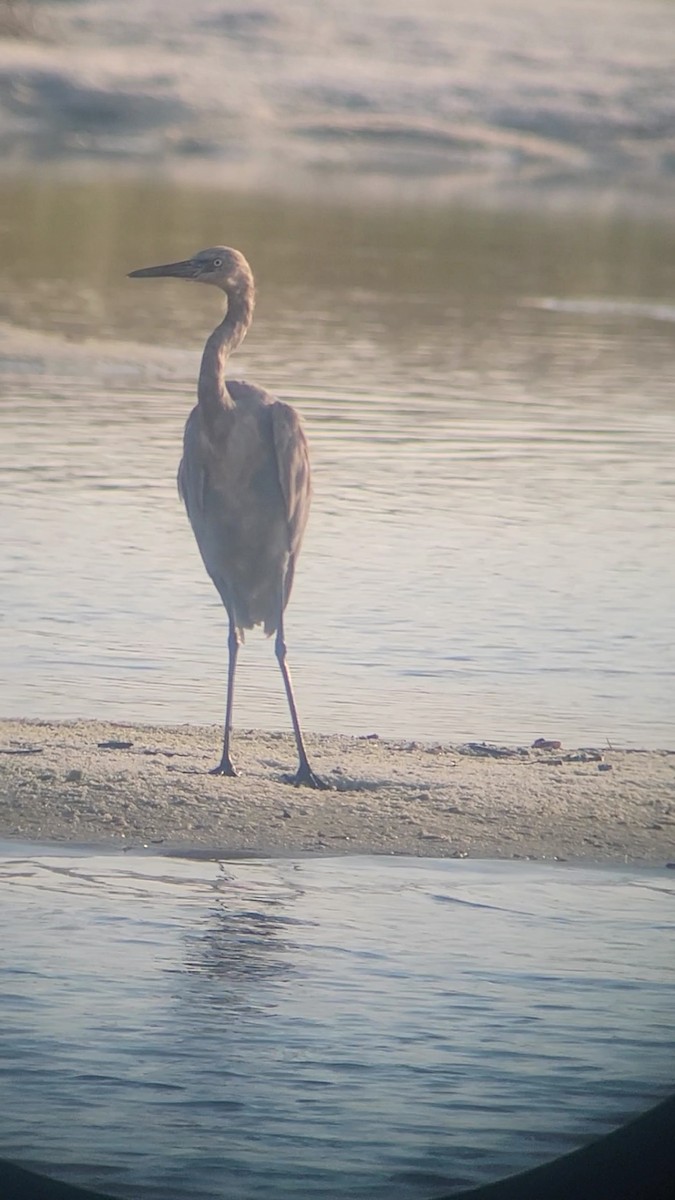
{"type": "Point", "coordinates": [245, 481]}
{"type": "Point", "coordinates": [247, 494]}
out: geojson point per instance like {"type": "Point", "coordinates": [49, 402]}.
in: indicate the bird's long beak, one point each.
{"type": "Point", "coordinates": [177, 270]}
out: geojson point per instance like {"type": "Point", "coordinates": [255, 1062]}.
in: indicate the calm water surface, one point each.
{"type": "Point", "coordinates": [336, 1028]}
{"type": "Point", "coordinates": [488, 397]}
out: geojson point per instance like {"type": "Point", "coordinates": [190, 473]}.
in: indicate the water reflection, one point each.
{"type": "Point", "coordinates": [489, 401]}
{"type": "Point", "coordinates": [347, 1027]}
{"type": "Point", "coordinates": [246, 940]}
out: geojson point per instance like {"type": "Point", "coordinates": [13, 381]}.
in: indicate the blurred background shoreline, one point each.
{"type": "Point", "coordinates": [492, 102]}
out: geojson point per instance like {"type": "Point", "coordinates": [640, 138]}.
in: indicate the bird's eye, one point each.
{"type": "Point", "coordinates": [217, 262]}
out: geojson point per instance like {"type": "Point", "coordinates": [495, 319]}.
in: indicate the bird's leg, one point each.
{"type": "Point", "coordinates": [304, 774]}
{"type": "Point", "coordinates": [226, 766]}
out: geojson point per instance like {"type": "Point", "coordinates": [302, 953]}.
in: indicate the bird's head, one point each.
{"type": "Point", "coordinates": [220, 265]}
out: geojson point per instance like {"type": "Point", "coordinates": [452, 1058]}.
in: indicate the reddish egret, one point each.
{"type": "Point", "coordinates": [245, 481]}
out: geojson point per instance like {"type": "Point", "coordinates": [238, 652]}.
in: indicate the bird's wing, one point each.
{"type": "Point", "coordinates": [191, 474]}
{"type": "Point", "coordinates": [201, 502]}
{"type": "Point", "coordinates": [292, 454]}
{"type": "Point", "coordinates": [208, 517]}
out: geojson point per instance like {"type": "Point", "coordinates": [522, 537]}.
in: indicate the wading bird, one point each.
{"type": "Point", "coordinates": [245, 482]}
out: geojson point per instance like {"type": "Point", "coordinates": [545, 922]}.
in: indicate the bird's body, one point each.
{"type": "Point", "coordinates": [245, 480]}
{"type": "Point", "coordinates": [247, 500]}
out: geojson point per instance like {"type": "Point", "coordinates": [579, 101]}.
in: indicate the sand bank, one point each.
{"type": "Point", "coordinates": [125, 785]}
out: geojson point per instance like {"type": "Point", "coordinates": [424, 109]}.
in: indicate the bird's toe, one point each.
{"type": "Point", "coordinates": [225, 768]}
{"type": "Point", "coordinates": [305, 777]}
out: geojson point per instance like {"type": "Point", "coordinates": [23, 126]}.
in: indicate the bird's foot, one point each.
{"type": "Point", "coordinates": [305, 777]}
{"type": "Point", "coordinates": [225, 767]}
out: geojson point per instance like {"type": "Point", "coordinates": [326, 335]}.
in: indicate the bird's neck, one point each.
{"type": "Point", "coordinates": [224, 340]}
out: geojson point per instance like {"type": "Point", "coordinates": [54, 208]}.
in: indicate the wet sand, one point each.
{"type": "Point", "coordinates": [95, 782]}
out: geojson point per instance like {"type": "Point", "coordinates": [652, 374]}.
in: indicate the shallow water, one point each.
{"type": "Point", "coordinates": [346, 1027]}
{"type": "Point", "coordinates": [488, 398]}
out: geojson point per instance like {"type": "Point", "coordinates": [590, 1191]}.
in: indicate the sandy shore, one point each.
{"type": "Point", "coordinates": [103, 783]}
